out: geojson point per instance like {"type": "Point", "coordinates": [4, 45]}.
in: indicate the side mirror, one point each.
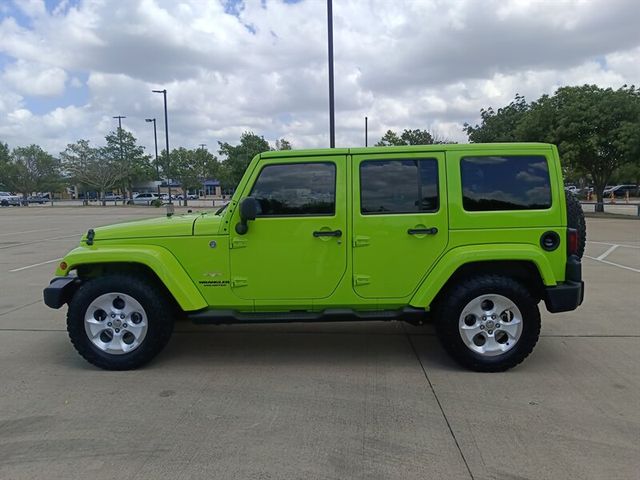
{"type": "Point", "coordinates": [248, 211]}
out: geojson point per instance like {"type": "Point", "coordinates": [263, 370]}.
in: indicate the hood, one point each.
{"type": "Point", "coordinates": [174, 226]}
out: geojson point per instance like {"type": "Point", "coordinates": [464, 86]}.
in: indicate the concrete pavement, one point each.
{"type": "Point", "coordinates": [325, 401]}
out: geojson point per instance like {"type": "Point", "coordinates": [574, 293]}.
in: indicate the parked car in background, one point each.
{"type": "Point", "coordinates": [621, 191]}
{"type": "Point", "coordinates": [39, 199]}
{"type": "Point", "coordinates": [111, 197]}
{"type": "Point", "coordinates": [7, 199]}
{"type": "Point", "coordinates": [144, 198]}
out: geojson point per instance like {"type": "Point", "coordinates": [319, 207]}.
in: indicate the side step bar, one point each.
{"type": "Point", "coordinates": [210, 316]}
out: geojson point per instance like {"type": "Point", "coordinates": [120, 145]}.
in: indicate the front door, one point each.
{"type": "Point", "coordinates": [295, 249]}
{"type": "Point", "coordinates": [399, 221]}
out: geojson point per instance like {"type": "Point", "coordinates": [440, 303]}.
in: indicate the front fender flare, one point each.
{"type": "Point", "coordinates": [160, 260]}
{"type": "Point", "coordinates": [457, 257]}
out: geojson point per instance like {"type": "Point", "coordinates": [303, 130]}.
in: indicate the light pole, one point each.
{"type": "Point", "coordinates": [166, 133]}
{"type": "Point", "coordinates": [366, 131]}
{"type": "Point", "coordinates": [332, 122]}
{"type": "Point", "coordinates": [120, 117]}
{"type": "Point", "coordinates": [155, 139]}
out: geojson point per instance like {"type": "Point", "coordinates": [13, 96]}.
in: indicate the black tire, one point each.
{"type": "Point", "coordinates": [159, 311]}
{"type": "Point", "coordinates": [575, 219]}
{"type": "Point", "coordinates": [449, 308]}
{"type": "Point", "coordinates": [4, 203]}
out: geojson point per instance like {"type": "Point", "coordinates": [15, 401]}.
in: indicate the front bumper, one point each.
{"type": "Point", "coordinates": [568, 295]}
{"type": "Point", "coordinates": [60, 291]}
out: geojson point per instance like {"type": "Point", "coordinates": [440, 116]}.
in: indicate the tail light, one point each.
{"type": "Point", "coordinates": [572, 241]}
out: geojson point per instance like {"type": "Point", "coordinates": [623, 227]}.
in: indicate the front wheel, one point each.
{"type": "Point", "coordinates": [119, 322]}
{"type": "Point", "coordinates": [488, 323]}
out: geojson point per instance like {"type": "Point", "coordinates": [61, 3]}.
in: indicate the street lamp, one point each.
{"type": "Point", "coordinates": [332, 121]}
{"type": "Point", "coordinates": [166, 133]}
{"type": "Point", "coordinates": [155, 139]}
{"type": "Point", "coordinates": [366, 131]}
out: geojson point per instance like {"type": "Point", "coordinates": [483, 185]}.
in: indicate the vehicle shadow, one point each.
{"type": "Point", "coordinates": [334, 344]}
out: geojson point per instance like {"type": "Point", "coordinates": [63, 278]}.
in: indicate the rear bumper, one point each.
{"type": "Point", "coordinates": [566, 296]}
{"type": "Point", "coordinates": [60, 291]}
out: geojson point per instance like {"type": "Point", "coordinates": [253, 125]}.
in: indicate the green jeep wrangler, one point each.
{"type": "Point", "coordinates": [472, 236]}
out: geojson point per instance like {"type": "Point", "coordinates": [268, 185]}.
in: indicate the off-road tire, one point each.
{"type": "Point", "coordinates": [448, 310]}
{"type": "Point", "coordinates": [575, 219]}
{"type": "Point", "coordinates": [160, 314]}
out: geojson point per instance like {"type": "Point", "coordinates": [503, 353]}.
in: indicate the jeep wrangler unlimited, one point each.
{"type": "Point", "coordinates": [473, 236]}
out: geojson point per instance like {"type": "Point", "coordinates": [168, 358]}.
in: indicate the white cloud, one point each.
{"type": "Point", "coordinates": [413, 64]}
{"type": "Point", "coordinates": [33, 79]}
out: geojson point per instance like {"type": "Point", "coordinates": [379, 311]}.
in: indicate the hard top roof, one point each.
{"type": "Point", "coordinates": [403, 149]}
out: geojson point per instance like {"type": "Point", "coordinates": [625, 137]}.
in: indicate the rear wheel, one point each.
{"type": "Point", "coordinates": [119, 322]}
{"type": "Point", "coordinates": [488, 323]}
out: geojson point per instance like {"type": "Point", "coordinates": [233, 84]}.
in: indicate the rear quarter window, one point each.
{"type": "Point", "coordinates": [491, 183]}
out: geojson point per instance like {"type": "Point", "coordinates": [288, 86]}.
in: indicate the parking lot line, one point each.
{"type": "Point", "coordinates": [618, 244]}
{"type": "Point", "coordinates": [609, 250]}
{"type": "Point", "coordinates": [35, 265]}
{"type": "Point", "coordinates": [614, 264]}
{"type": "Point", "coordinates": [28, 231]}
{"type": "Point", "coordinates": [41, 240]}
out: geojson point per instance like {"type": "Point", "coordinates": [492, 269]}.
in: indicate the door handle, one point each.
{"type": "Point", "coordinates": [327, 233]}
{"type": "Point", "coordinates": [422, 231]}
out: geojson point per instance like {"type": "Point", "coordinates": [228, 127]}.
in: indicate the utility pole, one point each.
{"type": "Point", "coordinates": [332, 122]}
{"type": "Point", "coordinates": [166, 134]}
{"type": "Point", "coordinates": [120, 117]}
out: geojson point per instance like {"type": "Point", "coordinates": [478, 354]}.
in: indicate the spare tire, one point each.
{"type": "Point", "coordinates": [575, 219]}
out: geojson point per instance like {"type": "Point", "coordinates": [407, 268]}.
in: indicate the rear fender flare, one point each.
{"type": "Point", "coordinates": [457, 257]}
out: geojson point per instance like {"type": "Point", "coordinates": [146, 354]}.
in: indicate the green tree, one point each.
{"type": "Point", "coordinates": [390, 139]}
{"type": "Point", "coordinates": [191, 168]}
{"type": "Point", "coordinates": [416, 137]}
{"type": "Point", "coordinates": [596, 130]}
{"type": "Point", "coordinates": [283, 144]}
{"type": "Point", "coordinates": [237, 157]}
{"type": "Point", "coordinates": [4, 163]}
{"type": "Point", "coordinates": [31, 169]}
{"type": "Point", "coordinates": [407, 137]}
{"type": "Point", "coordinates": [123, 149]}
{"type": "Point", "coordinates": [501, 125]}
{"type": "Point", "coordinates": [91, 167]}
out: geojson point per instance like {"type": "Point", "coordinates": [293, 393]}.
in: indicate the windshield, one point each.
{"type": "Point", "coordinates": [222, 209]}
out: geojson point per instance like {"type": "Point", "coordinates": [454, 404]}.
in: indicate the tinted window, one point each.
{"type": "Point", "coordinates": [296, 189]}
{"type": "Point", "coordinates": [505, 183]}
{"type": "Point", "coordinates": [398, 186]}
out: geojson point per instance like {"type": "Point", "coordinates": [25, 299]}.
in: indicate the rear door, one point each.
{"type": "Point", "coordinates": [399, 221]}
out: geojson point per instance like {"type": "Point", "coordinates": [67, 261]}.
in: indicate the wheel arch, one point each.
{"type": "Point", "coordinates": [155, 262]}
{"type": "Point", "coordinates": [523, 262]}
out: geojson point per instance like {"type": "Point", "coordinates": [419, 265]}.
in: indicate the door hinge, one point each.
{"type": "Point", "coordinates": [361, 241]}
{"type": "Point", "coordinates": [239, 282]}
{"type": "Point", "coordinates": [361, 280]}
{"type": "Point", "coordinates": [239, 242]}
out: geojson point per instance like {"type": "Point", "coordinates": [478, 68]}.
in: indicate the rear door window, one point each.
{"type": "Point", "coordinates": [505, 183]}
{"type": "Point", "coordinates": [398, 186]}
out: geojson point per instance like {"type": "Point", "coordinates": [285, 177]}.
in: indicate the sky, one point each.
{"type": "Point", "coordinates": [67, 67]}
